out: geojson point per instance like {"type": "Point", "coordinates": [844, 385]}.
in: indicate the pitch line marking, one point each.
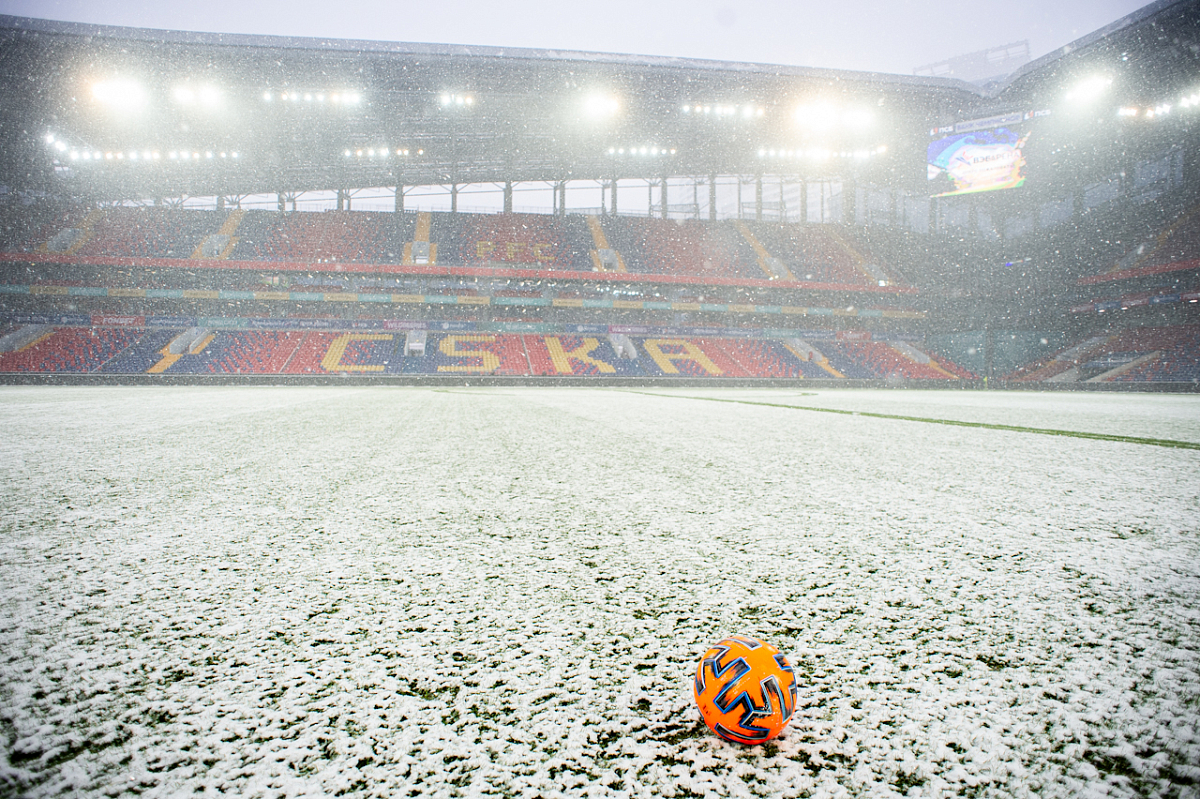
{"type": "Point", "coordinates": [1155, 442]}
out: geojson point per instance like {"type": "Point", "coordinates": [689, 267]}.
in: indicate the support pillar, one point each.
{"type": "Point", "coordinates": [613, 199]}
{"type": "Point", "coordinates": [454, 198]}
{"type": "Point", "coordinates": [399, 199]}
{"type": "Point", "coordinates": [663, 197]}
{"type": "Point", "coordinates": [281, 202]}
{"type": "Point", "coordinates": [758, 202]}
{"type": "Point", "coordinates": [220, 202]}
{"type": "Point", "coordinates": [803, 202]}
{"type": "Point", "coordinates": [508, 191]}
{"type": "Point", "coordinates": [712, 198]}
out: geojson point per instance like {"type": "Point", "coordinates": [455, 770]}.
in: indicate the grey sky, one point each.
{"type": "Point", "coordinates": [873, 35]}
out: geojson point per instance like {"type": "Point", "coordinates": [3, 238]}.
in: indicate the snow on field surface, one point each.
{"type": "Point", "coordinates": [418, 592]}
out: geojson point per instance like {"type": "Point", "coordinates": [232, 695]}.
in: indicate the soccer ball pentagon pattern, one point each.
{"type": "Point", "coordinates": [745, 689]}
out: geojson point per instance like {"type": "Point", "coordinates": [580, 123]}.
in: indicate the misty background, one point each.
{"type": "Point", "coordinates": [895, 36]}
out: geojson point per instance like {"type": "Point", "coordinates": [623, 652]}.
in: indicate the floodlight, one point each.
{"type": "Point", "coordinates": [119, 93]}
{"type": "Point", "coordinates": [49, 138]}
{"type": "Point", "coordinates": [1089, 89]}
{"type": "Point", "coordinates": [599, 106]}
{"type": "Point", "coordinates": [185, 95]}
{"type": "Point", "coordinates": [817, 116]}
{"type": "Point", "coordinates": [267, 96]}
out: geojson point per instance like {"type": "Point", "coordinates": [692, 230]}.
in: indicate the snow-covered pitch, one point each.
{"type": "Point", "coordinates": [504, 591]}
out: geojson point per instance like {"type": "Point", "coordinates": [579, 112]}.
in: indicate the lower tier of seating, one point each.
{"type": "Point", "coordinates": [259, 352]}
{"type": "Point", "coordinates": [1137, 355]}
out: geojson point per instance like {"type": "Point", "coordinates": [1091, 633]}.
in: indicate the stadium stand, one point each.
{"type": "Point", "coordinates": [203, 351]}
{"type": "Point", "coordinates": [691, 247]}
{"type": "Point", "coordinates": [68, 349]}
{"type": "Point", "coordinates": [537, 240]}
{"type": "Point", "coordinates": [148, 233]}
{"type": "Point", "coordinates": [760, 358]}
{"type": "Point", "coordinates": [1145, 354]}
{"type": "Point", "coordinates": [884, 360]}
{"type": "Point", "coordinates": [841, 356]}
{"type": "Point", "coordinates": [244, 352]}
{"type": "Point", "coordinates": [1176, 359]}
{"type": "Point", "coordinates": [816, 253]}
{"type": "Point", "coordinates": [142, 354]}
{"type": "Point", "coordinates": [329, 237]}
{"type": "Point", "coordinates": [1176, 245]}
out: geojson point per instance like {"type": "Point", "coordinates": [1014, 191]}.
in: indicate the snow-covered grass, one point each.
{"type": "Point", "coordinates": [404, 591]}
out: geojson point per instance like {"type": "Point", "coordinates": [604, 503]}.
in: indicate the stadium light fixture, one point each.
{"type": "Point", "coordinates": [601, 106]}
{"type": "Point", "coordinates": [119, 93]}
{"type": "Point", "coordinates": [819, 117]}
{"type": "Point", "coordinates": [1089, 89]}
{"type": "Point", "coordinates": [450, 100]}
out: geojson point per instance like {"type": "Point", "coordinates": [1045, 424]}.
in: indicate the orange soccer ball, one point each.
{"type": "Point", "coordinates": [745, 689]}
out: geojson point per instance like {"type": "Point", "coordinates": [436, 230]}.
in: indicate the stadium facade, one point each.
{"type": "Point", "coordinates": [693, 218]}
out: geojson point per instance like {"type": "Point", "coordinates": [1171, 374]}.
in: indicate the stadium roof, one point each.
{"type": "Point", "coordinates": [106, 112]}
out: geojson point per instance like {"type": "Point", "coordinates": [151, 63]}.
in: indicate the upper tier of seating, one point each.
{"type": "Point", "coordinates": [1178, 243]}
{"type": "Point", "coordinates": [814, 252]}
{"type": "Point", "coordinates": [691, 248]}
{"type": "Point", "coordinates": [322, 238]}
{"type": "Point", "coordinates": [662, 246]}
{"type": "Point", "coordinates": [528, 240]}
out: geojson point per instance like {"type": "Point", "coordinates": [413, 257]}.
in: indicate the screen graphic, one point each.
{"type": "Point", "coordinates": [981, 160]}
